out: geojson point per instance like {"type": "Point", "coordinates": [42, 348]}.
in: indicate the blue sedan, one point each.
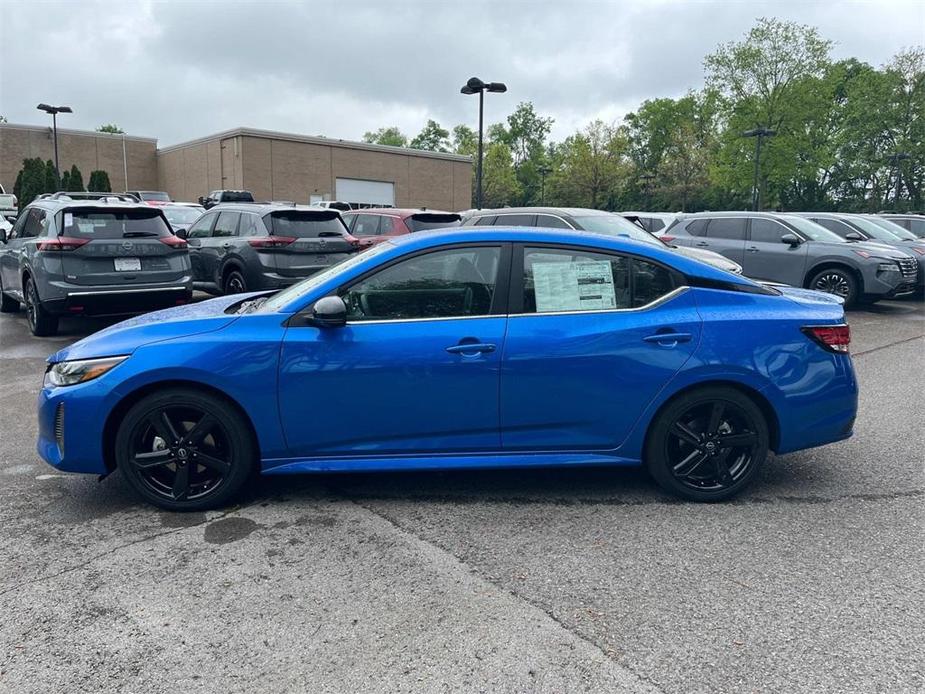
{"type": "Point", "coordinates": [454, 349]}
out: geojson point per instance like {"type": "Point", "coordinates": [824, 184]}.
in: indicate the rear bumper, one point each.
{"type": "Point", "coordinates": [119, 300]}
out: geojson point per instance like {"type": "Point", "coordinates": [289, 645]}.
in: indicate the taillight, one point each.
{"type": "Point", "coordinates": [270, 241]}
{"type": "Point", "coordinates": [834, 338]}
{"type": "Point", "coordinates": [61, 243]}
{"type": "Point", "coordinates": [173, 241]}
{"type": "Point", "coordinates": [666, 239]}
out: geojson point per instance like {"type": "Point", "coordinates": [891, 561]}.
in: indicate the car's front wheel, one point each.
{"type": "Point", "coordinates": [708, 444]}
{"type": "Point", "coordinates": [185, 450]}
{"type": "Point", "coordinates": [837, 281]}
{"type": "Point", "coordinates": [41, 322]}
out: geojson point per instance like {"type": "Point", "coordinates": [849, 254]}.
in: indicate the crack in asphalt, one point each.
{"type": "Point", "coordinates": [118, 548]}
{"type": "Point", "coordinates": [892, 344]}
{"type": "Point", "coordinates": [471, 570]}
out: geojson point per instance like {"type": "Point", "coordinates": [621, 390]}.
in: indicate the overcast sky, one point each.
{"type": "Point", "coordinates": [181, 70]}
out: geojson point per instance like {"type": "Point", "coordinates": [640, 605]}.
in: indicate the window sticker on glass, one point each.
{"type": "Point", "coordinates": [577, 286]}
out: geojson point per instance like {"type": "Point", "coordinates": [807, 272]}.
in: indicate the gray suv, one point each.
{"type": "Point", "coordinates": [240, 248]}
{"type": "Point", "coordinates": [90, 257]}
{"type": "Point", "coordinates": [795, 251]}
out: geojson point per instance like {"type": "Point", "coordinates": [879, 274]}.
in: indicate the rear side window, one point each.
{"type": "Point", "coordinates": [654, 224]}
{"type": "Point", "coordinates": [35, 223]}
{"type": "Point", "coordinates": [304, 224]}
{"type": "Point", "coordinates": [916, 226]}
{"type": "Point", "coordinates": [485, 221]}
{"type": "Point", "coordinates": [366, 225]}
{"type": "Point", "coordinates": [732, 228]}
{"type": "Point", "coordinates": [389, 225]}
{"type": "Point", "coordinates": [431, 220]}
{"type": "Point", "coordinates": [113, 224]}
{"type": "Point", "coordinates": [250, 225]}
{"type": "Point", "coordinates": [516, 220]}
{"type": "Point", "coordinates": [549, 221]}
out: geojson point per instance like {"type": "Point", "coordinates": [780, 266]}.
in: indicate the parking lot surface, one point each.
{"type": "Point", "coordinates": [526, 580]}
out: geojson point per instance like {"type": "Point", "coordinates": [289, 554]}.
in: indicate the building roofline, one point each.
{"type": "Point", "coordinates": [316, 140]}
{"type": "Point", "coordinates": [80, 133]}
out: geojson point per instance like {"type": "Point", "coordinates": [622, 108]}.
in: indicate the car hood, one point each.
{"type": "Point", "coordinates": [157, 326]}
{"type": "Point", "coordinates": [710, 257]}
{"type": "Point", "coordinates": [880, 250]}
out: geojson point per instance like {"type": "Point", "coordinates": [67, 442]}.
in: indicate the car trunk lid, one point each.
{"type": "Point", "coordinates": [304, 241]}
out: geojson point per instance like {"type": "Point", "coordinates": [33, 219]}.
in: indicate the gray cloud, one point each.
{"type": "Point", "coordinates": [182, 70]}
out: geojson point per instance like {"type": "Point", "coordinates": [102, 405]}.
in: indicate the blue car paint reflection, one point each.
{"type": "Point", "coordinates": [578, 388]}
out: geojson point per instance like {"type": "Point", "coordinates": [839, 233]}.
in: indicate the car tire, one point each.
{"type": "Point", "coordinates": [685, 451]}
{"type": "Point", "coordinates": [838, 281]}
{"type": "Point", "coordinates": [7, 303]}
{"type": "Point", "coordinates": [41, 322]}
{"type": "Point", "coordinates": [208, 463]}
{"type": "Point", "coordinates": [234, 282]}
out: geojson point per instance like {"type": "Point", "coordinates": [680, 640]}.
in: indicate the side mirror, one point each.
{"type": "Point", "coordinates": [791, 239]}
{"type": "Point", "coordinates": [180, 234]}
{"type": "Point", "coordinates": [853, 236]}
{"type": "Point", "coordinates": [330, 312]}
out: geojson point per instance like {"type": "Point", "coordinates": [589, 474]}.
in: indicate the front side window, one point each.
{"type": "Point", "coordinates": [227, 224]}
{"type": "Point", "coordinates": [444, 284]}
{"type": "Point", "coordinates": [201, 228]}
{"type": "Point", "coordinates": [767, 231]}
{"type": "Point", "coordinates": [557, 280]}
{"type": "Point", "coordinates": [34, 223]}
{"type": "Point", "coordinates": [834, 225]}
{"type": "Point", "coordinates": [366, 225]}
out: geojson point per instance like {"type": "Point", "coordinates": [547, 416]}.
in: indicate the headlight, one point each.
{"type": "Point", "coordinates": [888, 267]}
{"type": "Point", "coordinates": [69, 373]}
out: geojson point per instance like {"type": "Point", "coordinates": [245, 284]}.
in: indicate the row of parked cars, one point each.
{"type": "Point", "coordinates": [104, 253]}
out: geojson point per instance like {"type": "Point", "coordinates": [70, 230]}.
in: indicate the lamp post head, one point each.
{"type": "Point", "coordinates": [474, 85]}
{"type": "Point", "coordinates": [51, 110]}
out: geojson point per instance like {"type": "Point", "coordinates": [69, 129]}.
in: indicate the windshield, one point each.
{"type": "Point", "coordinates": [304, 224]}
{"type": "Point", "coordinates": [893, 228]}
{"type": "Point", "coordinates": [154, 196]}
{"type": "Point", "coordinates": [182, 215]}
{"type": "Point", "coordinates": [112, 224]}
{"type": "Point", "coordinates": [873, 230]}
{"type": "Point", "coordinates": [280, 299]}
{"type": "Point", "coordinates": [614, 225]}
{"type": "Point", "coordinates": [813, 231]}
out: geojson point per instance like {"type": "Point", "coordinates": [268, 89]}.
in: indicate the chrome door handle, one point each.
{"type": "Point", "coordinates": [668, 338]}
{"type": "Point", "coordinates": [702, 244]}
{"type": "Point", "coordinates": [471, 348]}
{"type": "Point", "coordinates": [752, 249]}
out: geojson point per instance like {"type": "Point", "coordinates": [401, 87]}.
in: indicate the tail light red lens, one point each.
{"type": "Point", "coordinates": [61, 243]}
{"type": "Point", "coordinates": [270, 241]}
{"type": "Point", "coordinates": [666, 239]}
{"type": "Point", "coordinates": [834, 338]}
{"type": "Point", "coordinates": [173, 241]}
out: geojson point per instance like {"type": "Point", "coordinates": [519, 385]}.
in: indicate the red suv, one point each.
{"type": "Point", "coordinates": [375, 225]}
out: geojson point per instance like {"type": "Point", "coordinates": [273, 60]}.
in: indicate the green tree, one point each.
{"type": "Point", "coordinates": [432, 137]}
{"type": "Point", "coordinates": [17, 187]}
{"type": "Point", "coordinates": [65, 180]}
{"type": "Point", "coordinates": [591, 168]}
{"type": "Point", "coordinates": [465, 141]}
{"type": "Point", "coordinates": [51, 178]}
{"type": "Point", "coordinates": [111, 128]}
{"type": "Point", "coordinates": [525, 133]}
{"type": "Point", "coordinates": [500, 187]}
{"type": "Point", "coordinates": [391, 136]}
{"type": "Point", "coordinates": [75, 179]}
{"type": "Point", "coordinates": [31, 179]}
{"type": "Point", "coordinates": [99, 182]}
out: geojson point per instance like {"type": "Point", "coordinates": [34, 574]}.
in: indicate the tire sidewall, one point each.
{"type": "Point", "coordinates": [657, 463]}
{"type": "Point", "coordinates": [234, 425]}
{"type": "Point", "coordinates": [852, 281]}
{"type": "Point", "coordinates": [231, 274]}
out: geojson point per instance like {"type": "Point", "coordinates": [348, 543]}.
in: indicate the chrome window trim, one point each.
{"type": "Point", "coordinates": [678, 291]}
{"type": "Point", "coordinates": [535, 214]}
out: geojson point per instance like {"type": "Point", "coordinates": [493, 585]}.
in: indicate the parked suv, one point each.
{"type": "Point", "coordinates": [914, 223]}
{"type": "Point", "coordinates": [582, 219]}
{"type": "Point", "coordinates": [90, 257]}
{"type": "Point", "coordinates": [375, 225]}
{"type": "Point", "coordinates": [217, 197]}
{"type": "Point", "coordinates": [795, 251]}
{"type": "Point", "coordinates": [239, 248]}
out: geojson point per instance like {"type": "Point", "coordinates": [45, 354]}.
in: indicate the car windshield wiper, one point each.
{"type": "Point", "coordinates": [135, 234]}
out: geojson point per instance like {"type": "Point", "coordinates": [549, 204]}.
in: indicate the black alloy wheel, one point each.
{"type": "Point", "coordinates": [41, 323]}
{"type": "Point", "coordinates": [184, 450]}
{"type": "Point", "coordinates": [708, 445]}
{"type": "Point", "coordinates": [836, 281]}
{"type": "Point", "coordinates": [235, 283]}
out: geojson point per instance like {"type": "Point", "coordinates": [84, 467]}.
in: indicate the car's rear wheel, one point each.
{"type": "Point", "coordinates": [41, 322]}
{"type": "Point", "coordinates": [234, 283]}
{"type": "Point", "coordinates": [708, 444]}
{"type": "Point", "coordinates": [837, 281]}
{"type": "Point", "coordinates": [185, 450]}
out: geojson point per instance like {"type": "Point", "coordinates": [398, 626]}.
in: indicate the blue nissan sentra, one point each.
{"type": "Point", "coordinates": [460, 348]}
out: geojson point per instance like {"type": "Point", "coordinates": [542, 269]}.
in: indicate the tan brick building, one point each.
{"type": "Point", "coordinates": [272, 165]}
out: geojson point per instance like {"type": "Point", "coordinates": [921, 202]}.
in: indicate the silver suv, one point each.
{"type": "Point", "coordinates": [793, 250]}
{"type": "Point", "coordinates": [89, 257]}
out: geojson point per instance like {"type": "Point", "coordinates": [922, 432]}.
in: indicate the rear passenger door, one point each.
{"type": "Point", "coordinates": [613, 328]}
{"type": "Point", "coordinates": [216, 247]}
{"type": "Point", "coordinates": [725, 235]}
{"type": "Point", "coordinates": [767, 257]}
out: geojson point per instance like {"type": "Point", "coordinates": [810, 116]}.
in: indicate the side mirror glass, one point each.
{"type": "Point", "coordinates": [180, 234]}
{"type": "Point", "coordinates": [854, 236]}
{"type": "Point", "coordinates": [330, 312]}
{"type": "Point", "coordinates": [790, 239]}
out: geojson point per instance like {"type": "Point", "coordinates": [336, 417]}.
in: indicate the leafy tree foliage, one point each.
{"type": "Point", "coordinates": [31, 181]}
{"type": "Point", "coordinates": [75, 179]}
{"type": "Point", "coordinates": [99, 182]}
{"type": "Point", "coordinates": [387, 136]}
{"type": "Point", "coordinates": [500, 187]}
{"type": "Point", "coordinates": [432, 137]}
{"type": "Point", "coordinates": [111, 128]}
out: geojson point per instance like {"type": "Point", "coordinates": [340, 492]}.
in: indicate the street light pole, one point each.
{"type": "Point", "coordinates": [647, 179]}
{"type": "Point", "coordinates": [54, 111]}
{"type": "Point", "coordinates": [894, 159]}
{"type": "Point", "coordinates": [759, 133]}
{"type": "Point", "coordinates": [544, 171]}
{"type": "Point", "coordinates": [477, 86]}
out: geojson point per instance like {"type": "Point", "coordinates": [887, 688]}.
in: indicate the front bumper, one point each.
{"type": "Point", "coordinates": [70, 423]}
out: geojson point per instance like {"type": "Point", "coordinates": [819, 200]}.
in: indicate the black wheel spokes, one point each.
{"type": "Point", "coordinates": [711, 446]}
{"type": "Point", "coordinates": [181, 453]}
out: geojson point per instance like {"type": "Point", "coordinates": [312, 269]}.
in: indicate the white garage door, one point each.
{"type": "Point", "coordinates": [358, 191]}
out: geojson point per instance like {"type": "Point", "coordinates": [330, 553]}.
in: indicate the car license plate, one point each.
{"type": "Point", "coordinates": [320, 259]}
{"type": "Point", "coordinates": [127, 264]}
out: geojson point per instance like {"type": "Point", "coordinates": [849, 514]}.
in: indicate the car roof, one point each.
{"type": "Point", "coordinates": [398, 211]}
{"type": "Point", "coordinates": [571, 211]}
{"type": "Point", "coordinates": [264, 207]}
{"type": "Point", "coordinates": [57, 204]}
{"type": "Point", "coordinates": [729, 213]}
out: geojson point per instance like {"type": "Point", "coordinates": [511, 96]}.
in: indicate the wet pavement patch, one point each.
{"type": "Point", "coordinates": [227, 530]}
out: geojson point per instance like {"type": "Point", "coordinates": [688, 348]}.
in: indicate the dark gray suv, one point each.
{"type": "Point", "coordinates": [795, 251]}
{"type": "Point", "coordinates": [90, 257]}
{"type": "Point", "coordinates": [240, 248]}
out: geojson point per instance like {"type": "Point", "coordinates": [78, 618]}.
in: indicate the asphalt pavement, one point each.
{"type": "Point", "coordinates": [528, 580]}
